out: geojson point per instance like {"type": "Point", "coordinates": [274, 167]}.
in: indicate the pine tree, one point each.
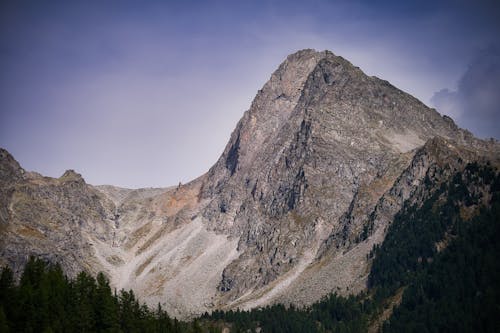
{"type": "Point", "coordinates": [105, 306]}
{"type": "Point", "coordinates": [4, 325]}
{"type": "Point", "coordinates": [83, 290]}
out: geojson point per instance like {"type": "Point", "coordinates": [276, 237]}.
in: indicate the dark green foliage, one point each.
{"type": "Point", "coordinates": [410, 244]}
{"type": "Point", "coordinates": [457, 289]}
{"type": "Point", "coordinates": [460, 291]}
{"type": "Point", "coordinates": [4, 327]}
{"type": "Point", "coordinates": [343, 314]}
{"type": "Point", "coordinates": [7, 298]}
{"type": "Point", "coordinates": [332, 314]}
{"type": "Point", "coordinates": [44, 300]}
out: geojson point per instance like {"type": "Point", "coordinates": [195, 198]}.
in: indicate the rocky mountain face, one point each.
{"type": "Point", "coordinates": [311, 178]}
{"type": "Point", "coordinates": [55, 219]}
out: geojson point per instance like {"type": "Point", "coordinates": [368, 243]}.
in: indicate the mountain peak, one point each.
{"type": "Point", "coordinates": [308, 53]}
{"type": "Point", "coordinates": [302, 52]}
{"type": "Point", "coordinates": [309, 182]}
{"type": "Point", "coordinates": [319, 137]}
{"type": "Point", "coordinates": [72, 176]}
{"type": "Point", "coordinates": [340, 103]}
{"type": "Point", "coordinates": [10, 170]}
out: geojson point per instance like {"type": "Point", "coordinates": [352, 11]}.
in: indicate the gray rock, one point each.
{"type": "Point", "coordinates": [312, 176]}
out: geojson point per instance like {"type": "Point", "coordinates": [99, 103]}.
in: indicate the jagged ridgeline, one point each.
{"type": "Point", "coordinates": [441, 255]}
{"type": "Point", "coordinates": [436, 270]}
{"type": "Point", "coordinates": [297, 206]}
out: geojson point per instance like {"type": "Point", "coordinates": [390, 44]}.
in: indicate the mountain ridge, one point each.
{"type": "Point", "coordinates": [310, 179]}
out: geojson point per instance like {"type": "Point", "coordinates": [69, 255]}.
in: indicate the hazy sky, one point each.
{"type": "Point", "coordinates": [146, 93]}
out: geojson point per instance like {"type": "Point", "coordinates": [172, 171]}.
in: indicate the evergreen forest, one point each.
{"type": "Point", "coordinates": [440, 254]}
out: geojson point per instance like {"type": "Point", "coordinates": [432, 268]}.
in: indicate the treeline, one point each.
{"type": "Point", "coordinates": [333, 314]}
{"type": "Point", "coordinates": [460, 290]}
{"type": "Point", "coordinates": [45, 300]}
{"type": "Point", "coordinates": [454, 288]}
{"type": "Point", "coordinates": [410, 243]}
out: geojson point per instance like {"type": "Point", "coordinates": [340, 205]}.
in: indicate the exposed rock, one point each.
{"type": "Point", "coordinates": [56, 219]}
{"type": "Point", "coordinates": [313, 162]}
{"type": "Point", "coordinates": [311, 177]}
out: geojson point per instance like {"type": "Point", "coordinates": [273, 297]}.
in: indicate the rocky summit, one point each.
{"type": "Point", "coordinates": [309, 182]}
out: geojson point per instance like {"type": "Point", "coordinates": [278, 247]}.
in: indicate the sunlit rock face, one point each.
{"type": "Point", "coordinates": [311, 177]}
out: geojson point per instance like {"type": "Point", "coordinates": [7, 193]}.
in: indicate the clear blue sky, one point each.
{"type": "Point", "coordinates": [146, 93]}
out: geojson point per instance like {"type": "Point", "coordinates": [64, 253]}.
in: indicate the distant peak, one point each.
{"type": "Point", "coordinates": [4, 154]}
{"type": "Point", "coordinates": [10, 170]}
{"type": "Point", "coordinates": [302, 53]}
{"type": "Point", "coordinates": [310, 53]}
{"type": "Point", "coordinates": [71, 175]}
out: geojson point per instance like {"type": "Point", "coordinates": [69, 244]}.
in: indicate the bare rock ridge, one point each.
{"type": "Point", "coordinates": [309, 162]}
{"type": "Point", "coordinates": [50, 218]}
{"type": "Point", "coordinates": [311, 177]}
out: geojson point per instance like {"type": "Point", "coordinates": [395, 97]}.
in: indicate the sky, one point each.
{"type": "Point", "coordinates": [146, 93]}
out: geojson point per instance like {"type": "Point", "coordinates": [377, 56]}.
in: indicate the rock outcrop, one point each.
{"type": "Point", "coordinates": [306, 167]}
{"type": "Point", "coordinates": [311, 177]}
{"type": "Point", "coordinates": [55, 219]}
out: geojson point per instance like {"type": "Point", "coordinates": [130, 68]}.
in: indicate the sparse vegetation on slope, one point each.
{"type": "Point", "coordinates": [460, 290]}
{"type": "Point", "coordinates": [447, 287]}
{"type": "Point", "coordinates": [455, 288]}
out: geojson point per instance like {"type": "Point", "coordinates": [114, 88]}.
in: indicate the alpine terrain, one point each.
{"type": "Point", "coordinates": [307, 187]}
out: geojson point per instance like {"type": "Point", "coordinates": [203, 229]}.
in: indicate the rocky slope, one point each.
{"type": "Point", "coordinates": [56, 219]}
{"type": "Point", "coordinates": [311, 177]}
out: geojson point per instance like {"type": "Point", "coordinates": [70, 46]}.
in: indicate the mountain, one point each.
{"type": "Point", "coordinates": [309, 183]}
